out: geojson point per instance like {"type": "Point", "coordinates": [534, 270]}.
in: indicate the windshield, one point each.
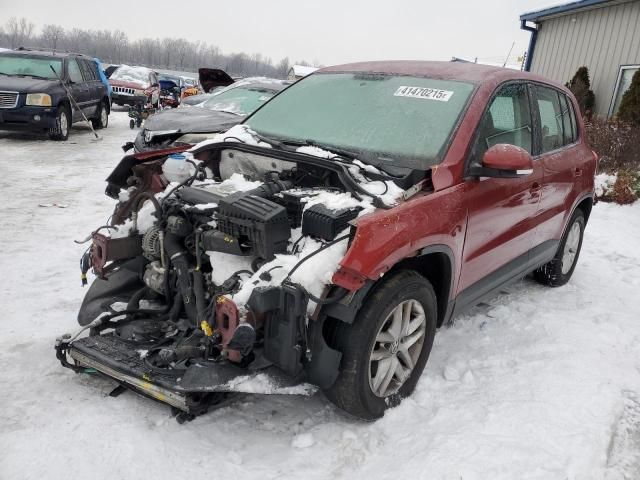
{"type": "Point", "coordinates": [169, 78]}
{"type": "Point", "coordinates": [400, 120]}
{"type": "Point", "coordinates": [31, 66]}
{"type": "Point", "coordinates": [132, 74]}
{"type": "Point", "coordinates": [239, 100]}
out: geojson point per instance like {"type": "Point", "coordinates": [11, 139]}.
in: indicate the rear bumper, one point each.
{"type": "Point", "coordinates": [28, 118]}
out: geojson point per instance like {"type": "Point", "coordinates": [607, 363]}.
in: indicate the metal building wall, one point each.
{"type": "Point", "coordinates": [603, 39]}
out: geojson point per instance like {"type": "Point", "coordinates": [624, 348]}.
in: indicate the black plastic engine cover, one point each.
{"type": "Point", "coordinates": [260, 225]}
{"type": "Point", "coordinates": [321, 222]}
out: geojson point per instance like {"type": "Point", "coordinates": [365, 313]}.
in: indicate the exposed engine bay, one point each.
{"type": "Point", "coordinates": [223, 274]}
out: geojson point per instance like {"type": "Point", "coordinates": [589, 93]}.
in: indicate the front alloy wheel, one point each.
{"type": "Point", "coordinates": [386, 348]}
{"type": "Point", "coordinates": [397, 348]}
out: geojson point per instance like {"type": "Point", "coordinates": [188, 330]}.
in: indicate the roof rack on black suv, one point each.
{"type": "Point", "coordinates": [32, 98]}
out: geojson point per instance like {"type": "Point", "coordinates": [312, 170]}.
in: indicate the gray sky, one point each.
{"type": "Point", "coordinates": [327, 31]}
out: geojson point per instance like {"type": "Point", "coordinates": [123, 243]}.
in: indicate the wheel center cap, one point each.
{"type": "Point", "coordinates": [393, 347]}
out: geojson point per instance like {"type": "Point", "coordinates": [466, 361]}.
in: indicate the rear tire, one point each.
{"type": "Point", "coordinates": [381, 364]}
{"type": "Point", "coordinates": [102, 117]}
{"type": "Point", "coordinates": [559, 270]}
{"type": "Point", "coordinates": [60, 132]}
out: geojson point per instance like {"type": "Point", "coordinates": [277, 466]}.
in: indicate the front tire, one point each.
{"type": "Point", "coordinates": [559, 270]}
{"type": "Point", "coordinates": [387, 347]}
{"type": "Point", "coordinates": [60, 132]}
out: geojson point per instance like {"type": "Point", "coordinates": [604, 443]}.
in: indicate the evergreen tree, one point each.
{"type": "Point", "coordinates": [629, 110]}
{"type": "Point", "coordinates": [580, 86]}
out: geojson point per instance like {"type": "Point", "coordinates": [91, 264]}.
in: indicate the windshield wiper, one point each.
{"type": "Point", "coordinates": [39, 77]}
{"type": "Point", "coordinates": [228, 111]}
{"type": "Point", "coordinates": [268, 140]}
{"type": "Point", "coordinates": [337, 151]}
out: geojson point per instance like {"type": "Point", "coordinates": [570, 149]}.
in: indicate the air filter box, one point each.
{"type": "Point", "coordinates": [322, 222]}
{"type": "Point", "coordinates": [260, 226]}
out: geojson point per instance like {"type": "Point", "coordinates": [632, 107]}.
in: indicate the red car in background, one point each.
{"type": "Point", "coordinates": [135, 85]}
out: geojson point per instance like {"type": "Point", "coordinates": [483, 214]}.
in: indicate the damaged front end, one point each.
{"type": "Point", "coordinates": [222, 280]}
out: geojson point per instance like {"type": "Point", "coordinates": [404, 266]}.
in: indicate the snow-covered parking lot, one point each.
{"type": "Point", "coordinates": [538, 384]}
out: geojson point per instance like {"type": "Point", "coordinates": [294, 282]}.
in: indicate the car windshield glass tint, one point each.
{"type": "Point", "coordinates": [131, 74]}
{"type": "Point", "coordinates": [32, 66]}
{"type": "Point", "coordinates": [400, 120]}
{"type": "Point", "coordinates": [241, 100]}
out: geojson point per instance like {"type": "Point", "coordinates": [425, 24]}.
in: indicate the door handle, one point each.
{"type": "Point", "coordinates": [577, 172]}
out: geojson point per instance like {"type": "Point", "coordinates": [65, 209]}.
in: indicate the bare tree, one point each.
{"type": "Point", "coordinates": [18, 31]}
{"type": "Point", "coordinates": [51, 35]}
{"type": "Point", "coordinates": [115, 47]}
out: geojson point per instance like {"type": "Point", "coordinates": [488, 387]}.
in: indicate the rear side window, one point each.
{"type": "Point", "coordinates": [75, 74]}
{"type": "Point", "coordinates": [551, 119]}
{"type": "Point", "coordinates": [88, 70]}
{"type": "Point", "coordinates": [507, 120]}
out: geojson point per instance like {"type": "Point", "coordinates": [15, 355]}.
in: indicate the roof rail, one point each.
{"type": "Point", "coordinates": [48, 50]}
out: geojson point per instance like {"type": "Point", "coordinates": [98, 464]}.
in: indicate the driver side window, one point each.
{"type": "Point", "coordinates": [507, 120]}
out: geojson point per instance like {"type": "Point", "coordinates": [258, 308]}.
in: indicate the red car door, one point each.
{"type": "Point", "coordinates": [563, 157]}
{"type": "Point", "coordinates": [501, 211]}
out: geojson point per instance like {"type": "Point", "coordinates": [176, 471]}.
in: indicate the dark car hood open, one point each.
{"type": "Point", "coordinates": [26, 84]}
{"type": "Point", "coordinates": [192, 120]}
{"type": "Point", "coordinates": [211, 78]}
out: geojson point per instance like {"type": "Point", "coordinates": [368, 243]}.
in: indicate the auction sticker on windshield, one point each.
{"type": "Point", "coordinates": [424, 92]}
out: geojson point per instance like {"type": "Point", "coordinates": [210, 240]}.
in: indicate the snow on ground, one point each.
{"type": "Point", "coordinates": [538, 384]}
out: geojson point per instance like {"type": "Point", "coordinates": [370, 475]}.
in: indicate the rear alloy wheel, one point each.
{"type": "Point", "coordinates": [102, 118]}
{"type": "Point", "coordinates": [60, 131]}
{"type": "Point", "coordinates": [559, 270]}
{"type": "Point", "coordinates": [385, 350]}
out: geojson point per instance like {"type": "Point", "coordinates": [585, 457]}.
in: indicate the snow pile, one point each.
{"type": "Point", "coordinates": [604, 184]}
{"type": "Point", "coordinates": [264, 384]}
{"type": "Point", "coordinates": [126, 73]}
{"type": "Point", "coordinates": [313, 274]}
{"type": "Point", "coordinates": [315, 151]}
{"type": "Point", "coordinates": [238, 133]}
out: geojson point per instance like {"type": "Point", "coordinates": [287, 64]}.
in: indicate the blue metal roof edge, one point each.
{"type": "Point", "coordinates": [559, 9]}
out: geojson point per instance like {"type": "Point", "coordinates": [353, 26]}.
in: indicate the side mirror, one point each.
{"type": "Point", "coordinates": [504, 161]}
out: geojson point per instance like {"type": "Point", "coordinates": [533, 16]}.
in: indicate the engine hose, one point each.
{"type": "Point", "coordinates": [134, 302]}
{"type": "Point", "coordinates": [136, 205]}
{"type": "Point", "coordinates": [177, 255]}
{"type": "Point", "coordinates": [174, 313]}
{"type": "Point", "coordinates": [198, 290]}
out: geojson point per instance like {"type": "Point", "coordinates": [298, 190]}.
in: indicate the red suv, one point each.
{"type": "Point", "coordinates": [327, 237]}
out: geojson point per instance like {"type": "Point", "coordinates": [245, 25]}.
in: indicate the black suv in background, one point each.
{"type": "Point", "coordinates": [32, 98]}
